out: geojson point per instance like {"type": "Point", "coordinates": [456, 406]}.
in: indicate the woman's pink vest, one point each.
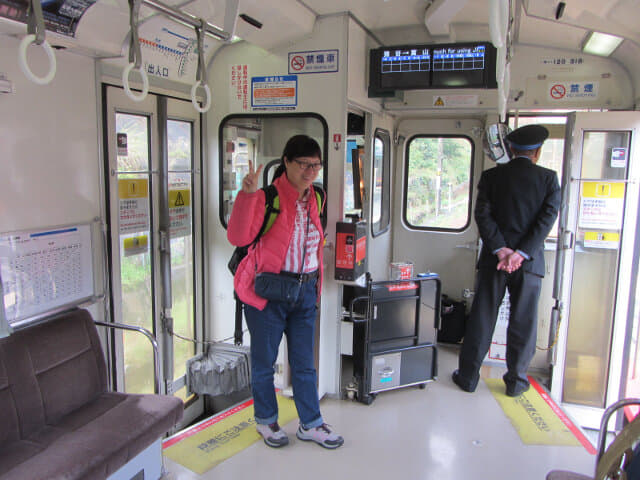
{"type": "Point", "coordinates": [269, 253]}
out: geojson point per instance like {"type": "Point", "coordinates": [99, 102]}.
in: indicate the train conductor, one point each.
{"type": "Point", "coordinates": [516, 207]}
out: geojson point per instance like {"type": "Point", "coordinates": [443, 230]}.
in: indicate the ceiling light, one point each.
{"type": "Point", "coordinates": [601, 44]}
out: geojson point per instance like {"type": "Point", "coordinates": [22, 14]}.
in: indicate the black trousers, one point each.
{"type": "Point", "coordinates": [524, 291]}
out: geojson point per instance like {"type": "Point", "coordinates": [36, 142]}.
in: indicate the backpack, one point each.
{"type": "Point", "coordinates": [272, 209]}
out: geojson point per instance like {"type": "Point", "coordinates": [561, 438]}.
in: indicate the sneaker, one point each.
{"type": "Point", "coordinates": [273, 435]}
{"type": "Point", "coordinates": [322, 435]}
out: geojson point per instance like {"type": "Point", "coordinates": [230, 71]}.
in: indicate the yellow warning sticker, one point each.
{"type": "Point", "coordinates": [135, 245]}
{"type": "Point", "coordinates": [438, 102]}
{"type": "Point", "coordinates": [133, 205]}
{"type": "Point", "coordinates": [133, 188]}
{"type": "Point", "coordinates": [179, 212]}
{"type": "Point", "coordinates": [609, 240]}
{"type": "Point", "coordinates": [601, 205]}
{"type": "Point", "coordinates": [603, 189]}
{"type": "Point", "coordinates": [179, 198]}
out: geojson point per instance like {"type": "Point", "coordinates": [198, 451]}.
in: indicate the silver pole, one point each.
{"type": "Point", "coordinates": [188, 19]}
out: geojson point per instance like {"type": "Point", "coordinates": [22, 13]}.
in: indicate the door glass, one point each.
{"type": "Point", "coordinates": [180, 154]}
{"type": "Point", "coordinates": [595, 269]}
{"type": "Point", "coordinates": [352, 200]}
{"type": "Point", "coordinates": [134, 181]}
{"type": "Point", "coordinates": [381, 183]}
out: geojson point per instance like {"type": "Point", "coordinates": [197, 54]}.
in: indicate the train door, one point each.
{"type": "Point", "coordinates": [154, 190]}
{"type": "Point", "coordinates": [596, 263]}
{"type": "Point", "coordinates": [378, 144]}
{"type": "Point", "coordinates": [367, 184]}
{"type": "Point", "coordinates": [433, 225]}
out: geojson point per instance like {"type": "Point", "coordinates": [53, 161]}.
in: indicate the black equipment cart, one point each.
{"type": "Point", "coordinates": [394, 334]}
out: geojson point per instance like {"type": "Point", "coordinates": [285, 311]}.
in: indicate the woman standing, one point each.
{"type": "Point", "coordinates": [291, 248]}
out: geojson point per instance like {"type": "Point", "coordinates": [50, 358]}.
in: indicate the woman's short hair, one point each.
{"type": "Point", "coordinates": [296, 147]}
{"type": "Point", "coordinates": [301, 146]}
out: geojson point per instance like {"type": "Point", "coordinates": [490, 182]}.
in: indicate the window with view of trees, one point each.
{"type": "Point", "coordinates": [438, 182]}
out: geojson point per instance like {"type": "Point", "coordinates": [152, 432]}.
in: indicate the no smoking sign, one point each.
{"type": "Point", "coordinates": [297, 63]}
{"type": "Point", "coordinates": [558, 91]}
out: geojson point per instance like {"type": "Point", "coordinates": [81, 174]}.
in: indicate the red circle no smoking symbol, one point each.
{"type": "Point", "coordinates": [558, 91]}
{"type": "Point", "coordinates": [297, 62]}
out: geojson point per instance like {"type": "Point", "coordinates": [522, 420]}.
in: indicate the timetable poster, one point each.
{"type": "Point", "coordinates": [45, 269]}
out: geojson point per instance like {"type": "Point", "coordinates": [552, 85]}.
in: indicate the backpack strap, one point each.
{"type": "Point", "coordinates": [271, 210]}
{"type": "Point", "coordinates": [237, 332]}
{"type": "Point", "coordinates": [321, 198]}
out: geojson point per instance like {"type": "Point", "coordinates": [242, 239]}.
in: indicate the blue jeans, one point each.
{"type": "Point", "coordinates": [297, 321]}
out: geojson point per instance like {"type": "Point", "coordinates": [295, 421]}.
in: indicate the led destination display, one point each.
{"type": "Point", "coordinates": [412, 67]}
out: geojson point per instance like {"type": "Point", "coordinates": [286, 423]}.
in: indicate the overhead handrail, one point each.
{"type": "Point", "coordinates": [135, 55]}
{"type": "Point", "coordinates": [188, 19]}
{"type": "Point", "coordinates": [201, 73]}
{"type": "Point", "coordinates": [36, 34]}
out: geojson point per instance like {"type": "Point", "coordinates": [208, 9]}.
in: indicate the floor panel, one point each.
{"type": "Point", "coordinates": [438, 433]}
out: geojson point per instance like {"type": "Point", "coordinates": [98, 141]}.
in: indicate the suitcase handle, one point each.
{"type": "Point", "coordinates": [351, 305]}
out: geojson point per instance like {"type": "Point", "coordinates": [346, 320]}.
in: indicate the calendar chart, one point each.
{"type": "Point", "coordinates": [42, 270]}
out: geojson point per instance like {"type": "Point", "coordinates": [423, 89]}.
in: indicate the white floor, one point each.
{"type": "Point", "coordinates": [438, 433]}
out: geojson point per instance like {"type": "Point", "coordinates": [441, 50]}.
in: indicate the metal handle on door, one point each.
{"type": "Point", "coordinates": [567, 240]}
{"type": "Point", "coordinates": [473, 246]}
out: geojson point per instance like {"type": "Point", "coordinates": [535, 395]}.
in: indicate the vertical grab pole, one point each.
{"type": "Point", "coordinates": [165, 249]}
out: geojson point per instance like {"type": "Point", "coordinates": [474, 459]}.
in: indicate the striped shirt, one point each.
{"type": "Point", "coordinates": [293, 259]}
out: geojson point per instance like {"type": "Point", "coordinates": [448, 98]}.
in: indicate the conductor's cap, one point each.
{"type": "Point", "coordinates": [528, 137]}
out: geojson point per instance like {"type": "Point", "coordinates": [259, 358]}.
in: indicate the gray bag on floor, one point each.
{"type": "Point", "coordinates": [224, 369]}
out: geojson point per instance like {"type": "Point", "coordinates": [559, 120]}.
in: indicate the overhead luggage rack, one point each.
{"type": "Point", "coordinates": [394, 334]}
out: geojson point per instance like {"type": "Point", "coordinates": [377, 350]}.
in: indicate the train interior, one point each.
{"type": "Point", "coordinates": [126, 130]}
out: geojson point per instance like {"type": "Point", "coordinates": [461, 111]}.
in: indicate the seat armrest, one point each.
{"type": "Point", "coordinates": [152, 339]}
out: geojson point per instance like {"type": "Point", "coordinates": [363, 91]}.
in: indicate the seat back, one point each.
{"type": "Point", "coordinates": [47, 371]}
{"type": "Point", "coordinates": [617, 461]}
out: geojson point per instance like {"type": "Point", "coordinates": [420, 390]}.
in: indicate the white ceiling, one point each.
{"type": "Point", "coordinates": [537, 23]}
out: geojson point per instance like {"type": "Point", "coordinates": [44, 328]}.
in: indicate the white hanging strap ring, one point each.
{"type": "Point", "coordinates": [194, 100]}
{"type": "Point", "coordinates": [36, 34]}
{"type": "Point", "coordinates": [135, 56]}
{"type": "Point", "coordinates": [125, 83]}
{"type": "Point", "coordinates": [24, 66]}
{"type": "Point", "coordinates": [201, 72]}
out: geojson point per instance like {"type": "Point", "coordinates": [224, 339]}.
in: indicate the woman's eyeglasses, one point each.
{"type": "Point", "coordinates": [308, 166]}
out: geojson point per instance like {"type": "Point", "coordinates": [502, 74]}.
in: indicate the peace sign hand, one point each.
{"type": "Point", "coordinates": [250, 181]}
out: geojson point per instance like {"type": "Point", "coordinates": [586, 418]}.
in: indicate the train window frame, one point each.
{"type": "Point", "coordinates": [245, 116]}
{"type": "Point", "coordinates": [384, 223]}
{"type": "Point", "coordinates": [405, 193]}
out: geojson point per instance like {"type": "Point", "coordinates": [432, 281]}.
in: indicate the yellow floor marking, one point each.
{"type": "Point", "coordinates": [208, 447]}
{"type": "Point", "coordinates": [532, 417]}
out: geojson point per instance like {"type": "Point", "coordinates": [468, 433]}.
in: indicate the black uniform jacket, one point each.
{"type": "Point", "coordinates": [516, 207]}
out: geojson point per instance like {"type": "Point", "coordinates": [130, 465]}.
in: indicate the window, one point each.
{"type": "Point", "coordinates": [381, 183]}
{"type": "Point", "coordinates": [438, 182]}
{"type": "Point", "coordinates": [261, 140]}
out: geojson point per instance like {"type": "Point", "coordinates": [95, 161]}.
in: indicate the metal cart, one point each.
{"type": "Point", "coordinates": [394, 334]}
